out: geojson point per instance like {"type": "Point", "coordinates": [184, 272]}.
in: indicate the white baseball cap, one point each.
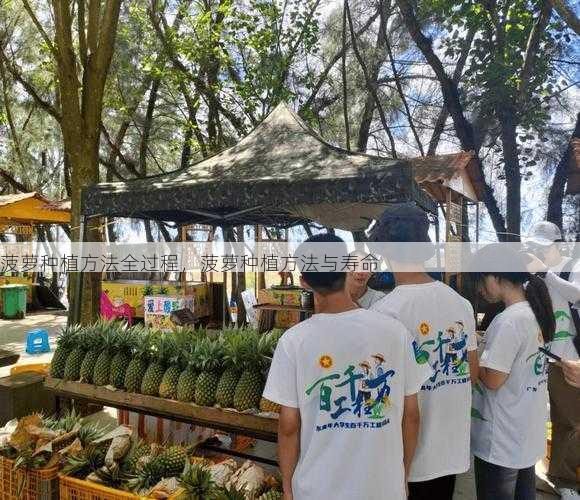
{"type": "Point", "coordinates": [544, 233]}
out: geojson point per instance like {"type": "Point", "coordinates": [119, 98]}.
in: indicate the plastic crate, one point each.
{"type": "Point", "coordinates": [22, 484]}
{"type": "Point", "coordinates": [78, 489]}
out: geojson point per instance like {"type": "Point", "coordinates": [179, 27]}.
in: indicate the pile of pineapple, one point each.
{"type": "Point", "coordinates": [226, 369]}
{"type": "Point", "coordinates": [37, 442]}
{"type": "Point", "coordinates": [114, 459]}
{"type": "Point", "coordinates": [227, 480]}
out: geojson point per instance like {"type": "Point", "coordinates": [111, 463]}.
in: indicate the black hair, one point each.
{"type": "Point", "coordinates": [535, 289]}
{"type": "Point", "coordinates": [325, 282]}
{"type": "Point", "coordinates": [400, 224]}
{"type": "Point", "coordinates": [404, 223]}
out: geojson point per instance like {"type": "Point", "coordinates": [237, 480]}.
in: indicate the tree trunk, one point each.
{"type": "Point", "coordinates": [513, 176]}
{"type": "Point", "coordinates": [144, 145]}
{"type": "Point", "coordinates": [567, 13]}
{"type": "Point", "coordinates": [371, 86]}
{"type": "Point", "coordinates": [452, 102]}
{"type": "Point", "coordinates": [556, 195]}
{"type": "Point", "coordinates": [378, 59]}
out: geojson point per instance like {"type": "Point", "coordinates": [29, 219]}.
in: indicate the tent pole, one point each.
{"type": "Point", "coordinates": [476, 222]}
{"type": "Point", "coordinates": [76, 317]}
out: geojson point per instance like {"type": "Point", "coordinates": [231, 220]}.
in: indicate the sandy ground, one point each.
{"type": "Point", "coordinates": [13, 336]}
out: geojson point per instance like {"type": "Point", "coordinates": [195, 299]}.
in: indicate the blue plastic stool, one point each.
{"type": "Point", "coordinates": [37, 342]}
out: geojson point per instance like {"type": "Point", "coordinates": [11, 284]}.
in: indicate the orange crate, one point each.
{"type": "Point", "coordinates": [34, 484]}
{"type": "Point", "coordinates": [78, 489]}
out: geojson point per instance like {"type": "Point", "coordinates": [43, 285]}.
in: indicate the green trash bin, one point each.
{"type": "Point", "coordinates": [14, 301]}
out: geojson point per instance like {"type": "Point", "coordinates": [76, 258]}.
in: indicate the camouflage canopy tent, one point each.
{"type": "Point", "coordinates": [281, 174]}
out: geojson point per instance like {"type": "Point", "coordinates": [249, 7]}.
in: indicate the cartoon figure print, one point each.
{"type": "Point", "coordinates": [456, 352]}
{"type": "Point", "coordinates": [449, 349]}
{"type": "Point", "coordinates": [362, 389]}
{"type": "Point", "coordinates": [374, 390]}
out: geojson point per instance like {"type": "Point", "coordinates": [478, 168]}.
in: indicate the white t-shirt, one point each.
{"type": "Point", "coordinates": [509, 424]}
{"type": "Point", "coordinates": [369, 298]}
{"type": "Point", "coordinates": [348, 373]}
{"type": "Point", "coordinates": [563, 344]}
{"type": "Point", "coordinates": [443, 325]}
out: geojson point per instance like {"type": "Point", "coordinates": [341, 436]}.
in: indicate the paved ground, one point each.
{"type": "Point", "coordinates": [13, 335]}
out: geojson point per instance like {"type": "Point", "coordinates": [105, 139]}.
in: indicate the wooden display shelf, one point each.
{"type": "Point", "coordinates": [228, 421]}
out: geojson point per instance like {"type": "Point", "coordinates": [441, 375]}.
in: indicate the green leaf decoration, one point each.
{"type": "Point", "coordinates": [532, 356]}
{"type": "Point", "coordinates": [562, 334]}
{"type": "Point", "coordinates": [558, 315]}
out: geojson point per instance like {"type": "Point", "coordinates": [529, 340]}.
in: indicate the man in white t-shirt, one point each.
{"type": "Point", "coordinates": [357, 283]}
{"type": "Point", "coordinates": [443, 325]}
{"type": "Point", "coordinates": [347, 430]}
{"type": "Point", "coordinates": [562, 275]}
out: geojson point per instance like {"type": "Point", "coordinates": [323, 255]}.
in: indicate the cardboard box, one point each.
{"type": "Point", "coordinates": [282, 319]}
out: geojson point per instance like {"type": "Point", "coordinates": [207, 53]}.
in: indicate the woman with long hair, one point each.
{"type": "Point", "coordinates": [508, 431]}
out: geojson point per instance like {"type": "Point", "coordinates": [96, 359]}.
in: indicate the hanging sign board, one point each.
{"type": "Point", "coordinates": [20, 230]}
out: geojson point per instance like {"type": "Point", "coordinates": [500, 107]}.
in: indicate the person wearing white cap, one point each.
{"type": "Point", "coordinates": [562, 275]}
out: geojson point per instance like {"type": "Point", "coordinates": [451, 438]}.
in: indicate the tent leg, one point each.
{"type": "Point", "coordinates": [76, 317]}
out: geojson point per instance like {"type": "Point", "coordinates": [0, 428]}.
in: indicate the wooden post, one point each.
{"type": "Point", "coordinates": [183, 274]}
{"type": "Point", "coordinates": [260, 275]}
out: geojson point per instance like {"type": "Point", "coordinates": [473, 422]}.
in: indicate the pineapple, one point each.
{"type": "Point", "coordinates": [173, 460]}
{"type": "Point", "coordinates": [187, 379]}
{"type": "Point", "coordinates": [140, 359]}
{"type": "Point", "coordinates": [94, 344]}
{"type": "Point", "coordinates": [163, 348]}
{"type": "Point", "coordinates": [233, 352]}
{"type": "Point", "coordinates": [138, 451]}
{"type": "Point", "coordinates": [119, 363]}
{"type": "Point", "coordinates": [101, 373]}
{"type": "Point", "coordinates": [65, 344]}
{"type": "Point", "coordinates": [271, 340]}
{"type": "Point", "coordinates": [271, 495]}
{"type": "Point", "coordinates": [197, 483]}
{"type": "Point", "coordinates": [268, 406]}
{"type": "Point", "coordinates": [210, 352]}
{"type": "Point", "coordinates": [87, 461]}
{"type": "Point", "coordinates": [231, 493]}
{"type": "Point", "coordinates": [72, 368]}
{"type": "Point", "coordinates": [90, 432]}
{"type": "Point", "coordinates": [170, 463]}
{"type": "Point", "coordinates": [148, 475]}
{"type": "Point", "coordinates": [251, 383]}
{"type": "Point", "coordinates": [168, 386]}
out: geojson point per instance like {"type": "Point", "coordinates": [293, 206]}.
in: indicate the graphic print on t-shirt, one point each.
{"type": "Point", "coordinates": [360, 390]}
{"type": "Point", "coordinates": [538, 364]}
{"type": "Point", "coordinates": [447, 355]}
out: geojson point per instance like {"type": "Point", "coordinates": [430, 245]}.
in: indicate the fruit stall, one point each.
{"type": "Point", "coordinates": [276, 176]}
